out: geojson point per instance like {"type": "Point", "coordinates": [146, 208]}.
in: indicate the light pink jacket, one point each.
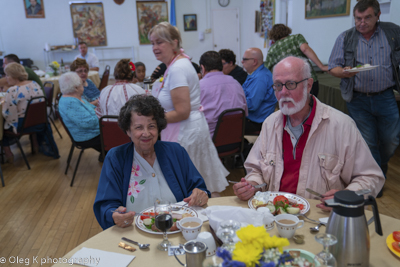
{"type": "Point", "coordinates": [335, 156]}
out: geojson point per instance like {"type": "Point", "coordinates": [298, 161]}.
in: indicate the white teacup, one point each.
{"type": "Point", "coordinates": [287, 224]}
{"type": "Point", "coordinates": [190, 227]}
{"type": "Point", "coordinates": [208, 239]}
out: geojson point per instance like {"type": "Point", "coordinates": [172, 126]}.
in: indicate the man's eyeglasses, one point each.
{"type": "Point", "coordinates": [367, 19]}
{"type": "Point", "coordinates": [247, 58]}
{"type": "Point", "coordinates": [290, 85]}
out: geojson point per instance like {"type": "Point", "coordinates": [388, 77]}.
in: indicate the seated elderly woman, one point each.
{"type": "Point", "coordinates": [14, 107]}
{"type": "Point", "coordinates": [78, 114]}
{"type": "Point", "coordinates": [134, 175]}
{"type": "Point", "coordinates": [90, 92]}
{"type": "Point", "coordinates": [113, 97]}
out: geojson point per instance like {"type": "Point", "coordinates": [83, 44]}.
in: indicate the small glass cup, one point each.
{"type": "Point", "coordinates": [325, 257]}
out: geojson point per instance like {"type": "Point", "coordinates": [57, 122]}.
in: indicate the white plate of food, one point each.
{"type": "Point", "coordinates": [360, 68]}
{"type": "Point", "coordinates": [281, 205]}
{"type": "Point", "coordinates": [302, 257]}
{"type": "Point", "coordinates": [151, 228]}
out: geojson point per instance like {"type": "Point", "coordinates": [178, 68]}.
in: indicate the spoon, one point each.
{"type": "Point", "coordinates": [141, 246]}
{"type": "Point", "coordinates": [316, 228]}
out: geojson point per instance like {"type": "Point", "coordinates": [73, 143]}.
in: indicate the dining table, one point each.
{"type": "Point", "coordinates": [92, 75]}
{"type": "Point", "coordinates": [109, 239]}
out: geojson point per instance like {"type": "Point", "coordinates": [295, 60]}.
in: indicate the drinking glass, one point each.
{"type": "Point", "coordinates": [325, 258]}
{"type": "Point", "coordinates": [227, 233]}
{"type": "Point", "coordinates": [163, 221]}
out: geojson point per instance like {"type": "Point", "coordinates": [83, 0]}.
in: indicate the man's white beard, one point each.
{"type": "Point", "coordinates": [297, 105]}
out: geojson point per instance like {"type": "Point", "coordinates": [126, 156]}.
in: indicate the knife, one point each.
{"type": "Point", "coordinates": [314, 193]}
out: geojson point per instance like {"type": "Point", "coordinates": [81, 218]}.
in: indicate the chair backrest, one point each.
{"type": "Point", "coordinates": [104, 78]}
{"type": "Point", "coordinates": [230, 128]}
{"type": "Point", "coordinates": [49, 90]}
{"type": "Point", "coordinates": [36, 112]}
{"type": "Point", "coordinates": [110, 133]}
{"type": "Point", "coordinates": [65, 127]}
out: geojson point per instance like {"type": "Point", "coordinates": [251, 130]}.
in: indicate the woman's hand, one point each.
{"type": "Point", "coordinates": [197, 198]}
{"type": "Point", "coordinates": [244, 190]}
{"type": "Point", "coordinates": [327, 195]}
{"type": "Point", "coordinates": [121, 218]}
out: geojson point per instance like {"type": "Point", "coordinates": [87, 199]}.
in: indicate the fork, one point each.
{"type": "Point", "coordinates": [255, 186]}
{"type": "Point", "coordinates": [179, 208]}
{"type": "Point", "coordinates": [136, 214]}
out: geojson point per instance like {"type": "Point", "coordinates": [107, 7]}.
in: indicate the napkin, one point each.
{"type": "Point", "coordinates": [99, 258]}
{"type": "Point", "coordinates": [40, 73]}
{"type": "Point", "coordinates": [199, 210]}
{"type": "Point", "coordinates": [218, 214]}
{"type": "Point", "coordinates": [324, 220]}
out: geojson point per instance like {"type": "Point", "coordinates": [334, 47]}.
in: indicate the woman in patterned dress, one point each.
{"type": "Point", "coordinates": [134, 175]}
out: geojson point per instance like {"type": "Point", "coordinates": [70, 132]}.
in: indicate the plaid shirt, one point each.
{"type": "Point", "coordinates": [288, 46]}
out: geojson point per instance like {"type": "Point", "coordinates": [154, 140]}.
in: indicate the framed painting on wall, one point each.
{"type": "Point", "coordinates": [149, 14]}
{"type": "Point", "coordinates": [326, 8]}
{"type": "Point", "coordinates": [88, 23]}
{"type": "Point", "coordinates": [190, 22]}
{"type": "Point", "coordinates": [34, 9]}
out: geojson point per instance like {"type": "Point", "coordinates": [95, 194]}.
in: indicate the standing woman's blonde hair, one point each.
{"type": "Point", "coordinates": [168, 33]}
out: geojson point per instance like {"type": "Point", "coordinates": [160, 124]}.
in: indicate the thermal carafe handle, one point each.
{"type": "Point", "coordinates": [371, 201]}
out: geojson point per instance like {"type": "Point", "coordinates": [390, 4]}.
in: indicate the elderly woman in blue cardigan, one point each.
{"type": "Point", "coordinates": [134, 175]}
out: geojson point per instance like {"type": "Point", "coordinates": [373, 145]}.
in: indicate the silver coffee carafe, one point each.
{"type": "Point", "coordinates": [348, 223]}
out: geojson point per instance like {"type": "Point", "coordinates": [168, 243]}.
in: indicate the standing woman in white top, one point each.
{"type": "Point", "coordinates": [179, 94]}
{"type": "Point", "coordinates": [113, 97]}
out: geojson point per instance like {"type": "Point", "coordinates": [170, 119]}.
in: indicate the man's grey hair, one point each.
{"type": "Point", "coordinates": [68, 82]}
{"type": "Point", "coordinates": [306, 68]}
{"type": "Point", "coordinates": [363, 5]}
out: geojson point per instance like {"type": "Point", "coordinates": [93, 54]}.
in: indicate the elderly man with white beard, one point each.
{"type": "Point", "coordinates": [307, 144]}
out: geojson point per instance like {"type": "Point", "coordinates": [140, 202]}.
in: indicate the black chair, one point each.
{"type": "Point", "coordinates": [35, 114]}
{"type": "Point", "coordinates": [228, 136]}
{"type": "Point", "coordinates": [71, 151]}
{"type": "Point", "coordinates": [49, 90]}
{"type": "Point", "coordinates": [104, 78]}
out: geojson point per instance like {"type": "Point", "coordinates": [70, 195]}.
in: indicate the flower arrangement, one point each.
{"type": "Point", "coordinates": [54, 66]}
{"type": "Point", "coordinates": [256, 249]}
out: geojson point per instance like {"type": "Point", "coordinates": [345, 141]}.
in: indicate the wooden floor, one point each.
{"type": "Point", "coordinates": [42, 216]}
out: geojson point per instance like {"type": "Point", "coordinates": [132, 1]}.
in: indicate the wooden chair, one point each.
{"type": "Point", "coordinates": [71, 151]}
{"type": "Point", "coordinates": [229, 133]}
{"type": "Point", "coordinates": [110, 134]}
{"type": "Point", "coordinates": [35, 114]}
{"type": "Point", "coordinates": [104, 78]}
{"type": "Point", "coordinates": [49, 91]}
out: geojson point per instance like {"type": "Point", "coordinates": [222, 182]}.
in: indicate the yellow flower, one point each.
{"type": "Point", "coordinates": [55, 64]}
{"type": "Point", "coordinates": [253, 235]}
{"type": "Point", "coordinates": [248, 254]}
{"type": "Point", "coordinates": [161, 79]}
{"type": "Point", "coordinates": [276, 242]}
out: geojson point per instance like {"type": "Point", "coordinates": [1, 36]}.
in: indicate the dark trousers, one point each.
{"type": "Point", "coordinates": [94, 143]}
{"type": "Point", "coordinates": [251, 127]}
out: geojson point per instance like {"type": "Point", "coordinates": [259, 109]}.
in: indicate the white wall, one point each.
{"type": "Point", "coordinates": [321, 33]}
{"type": "Point", "coordinates": [26, 37]}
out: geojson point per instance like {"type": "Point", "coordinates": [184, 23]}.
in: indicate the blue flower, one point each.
{"type": "Point", "coordinates": [224, 254]}
{"type": "Point", "coordinates": [267, 264]}
{"type": "Point", "coordinates": [14, 102]}
{"type": "Point", "coordinates": [21, 95]}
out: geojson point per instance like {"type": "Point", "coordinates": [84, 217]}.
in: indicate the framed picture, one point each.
{"type": "Point", "coordinates": [34, 9]}
{"type": "Point", "coordinates": [190, 22]}
{"type": "Point", "coordinates": [88, 24]}
{"type": "Point", "coordinates": [149, 14]}
{"type": "Point", "coordinates": [326, 8]}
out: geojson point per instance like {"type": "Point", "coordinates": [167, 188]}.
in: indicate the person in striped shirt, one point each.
{"type": "Point", "coordinates": [369, 94]}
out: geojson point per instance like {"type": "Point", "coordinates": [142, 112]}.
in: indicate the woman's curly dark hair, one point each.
{"type": "Point", "coordinates": [79, 62]}
{"type": "Point", "coordinates": [145, 105]}
{"type": "Point", "coordinates": [122, 70]}
{"type": "Point", "coordinates": [279, 31]}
